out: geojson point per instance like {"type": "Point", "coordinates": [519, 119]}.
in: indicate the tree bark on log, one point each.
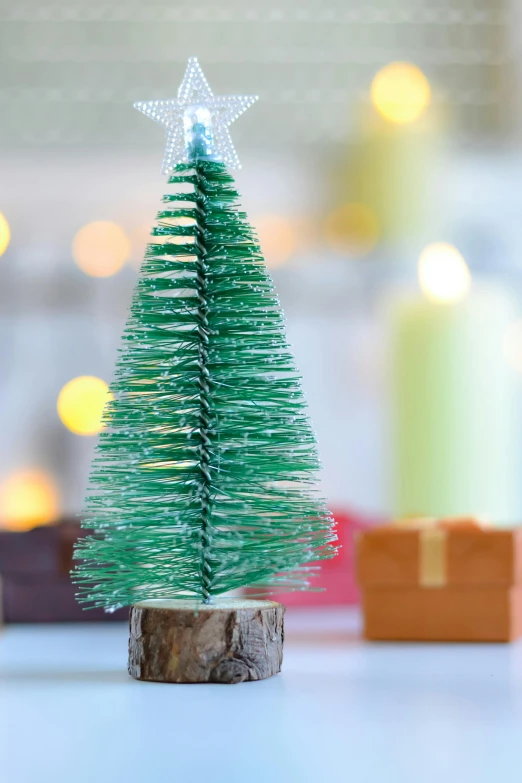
{"type": "Point", "coordinates": [228, 641]}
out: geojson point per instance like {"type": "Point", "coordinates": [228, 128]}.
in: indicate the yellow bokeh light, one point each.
{"type": "Point", "coordinates": [444, 276]}
{"type": "Point", "coordinates": [28, 499]}
{"type": "Point", "coordinates": [139, 237]}
{"type": "Point", "coordinates": [512, 346]}
{"type": "Point", "coordinates": [101, 248]}
{"type": "Point", "coordinates": [81, 402]}
{"type": "Point", "coordinates": [277, 238]}
{"type": "Point", "coordinates": [5, 234]}
{"type": "Point", "coordinates": [352, 228]}
{"type": "Point", "coordinates": [400, 92]}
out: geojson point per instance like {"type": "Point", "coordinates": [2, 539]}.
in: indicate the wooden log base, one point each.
{"type": "Point", "coordinates": [230, 640]}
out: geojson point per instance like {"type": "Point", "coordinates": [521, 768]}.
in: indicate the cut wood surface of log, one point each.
{"type": "Point", "coordinates": [186, 641]}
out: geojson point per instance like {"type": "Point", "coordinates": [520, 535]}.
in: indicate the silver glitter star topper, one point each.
{"type": "Point", "coordinates": [197, 121]}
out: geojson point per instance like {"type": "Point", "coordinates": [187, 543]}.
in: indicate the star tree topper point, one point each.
{"type": "Point", "coordinates": [197, 121]}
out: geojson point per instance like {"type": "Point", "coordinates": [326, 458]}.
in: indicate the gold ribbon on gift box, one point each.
{"type": "Point", "coordinates": [433, 534]}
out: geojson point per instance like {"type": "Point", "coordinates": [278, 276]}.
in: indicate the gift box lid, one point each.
{"type": "Point", "coordinates": [436, 552]}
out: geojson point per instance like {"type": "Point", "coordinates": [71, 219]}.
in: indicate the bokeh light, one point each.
{"type": "Point", "coordinates": [28, 499]}
{"type": "Point", "coordinates": [277, 237]}
{"type": "Point", "coordinates": [512, 346]}
{"type": "Point", "coordinates": [139, 238]}
{"type": "Point", "coordinates": [101, 248]}
{"type": "Point", "coordinates": [352, 228]}
{"type": "Point", "coordinates": [5, 234]}
{"type": "Point", "coordinates": [400, 92]}
{"type": "Point", "coordinates": [81, 402]}
{"type": "Point", "coordinates": [444, 276]}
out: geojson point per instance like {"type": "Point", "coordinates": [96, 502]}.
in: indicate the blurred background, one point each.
{"type": "Point", "coordinates": [381, 168]}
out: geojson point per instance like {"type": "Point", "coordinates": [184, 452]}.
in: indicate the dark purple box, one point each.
{"type": "Point", "coordinates": [35, 582]}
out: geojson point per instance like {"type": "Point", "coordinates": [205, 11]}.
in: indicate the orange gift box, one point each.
{"type": "Point", "coordinates": [440, 580]}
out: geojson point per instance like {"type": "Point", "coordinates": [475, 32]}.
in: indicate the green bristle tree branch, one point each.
{"type": "Point", "coordinates": [204, 479]}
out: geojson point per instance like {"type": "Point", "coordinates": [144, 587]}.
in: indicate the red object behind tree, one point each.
{"type": "Point", "coordinates": [336, 576]}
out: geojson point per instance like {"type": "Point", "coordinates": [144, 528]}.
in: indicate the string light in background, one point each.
{"type": "Point", "coordinates": [444, 276]}
{"type": "Point", "coordinates": [81, 402]}
{"type": "Point", "coordinates": [512, 346]}
{"type": "Point", "coordinates": [28, 499]}
{"type": "Point", "coordinates": [101, 248]}
{"type": "Point", "coordinates": [277, 237]}
{"type": "Point", "coordinates": [352, 228]}
{"type": "Point", "coordinates": [179, 221]}
{"type": "Point", "coordinates": [140, 236]}
{"type": "Point", "coordinates": [5, 234]}
{"type": "Point", "coordinates": [400, 92]}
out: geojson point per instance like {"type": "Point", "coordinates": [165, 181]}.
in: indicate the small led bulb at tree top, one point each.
{"type": "Point", "coordinates": [197, 125]}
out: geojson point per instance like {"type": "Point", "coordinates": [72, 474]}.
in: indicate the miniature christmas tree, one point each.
{"type": "Point", "coordinates": [204, 476]}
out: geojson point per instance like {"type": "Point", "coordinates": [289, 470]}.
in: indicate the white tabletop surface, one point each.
{"type": "Point", "coordinates": [341, 710]}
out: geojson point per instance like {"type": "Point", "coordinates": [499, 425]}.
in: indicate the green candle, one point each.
{"type": "Point", "coordinates": [454, 412]}
{"type": "Point", "coordinates": [396, 152]}
{"type": "Point", "coordinates": [393, 171]}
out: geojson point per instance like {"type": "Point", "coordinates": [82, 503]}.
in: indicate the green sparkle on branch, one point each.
{"type": "Point", "coordinates": [204, 475]}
